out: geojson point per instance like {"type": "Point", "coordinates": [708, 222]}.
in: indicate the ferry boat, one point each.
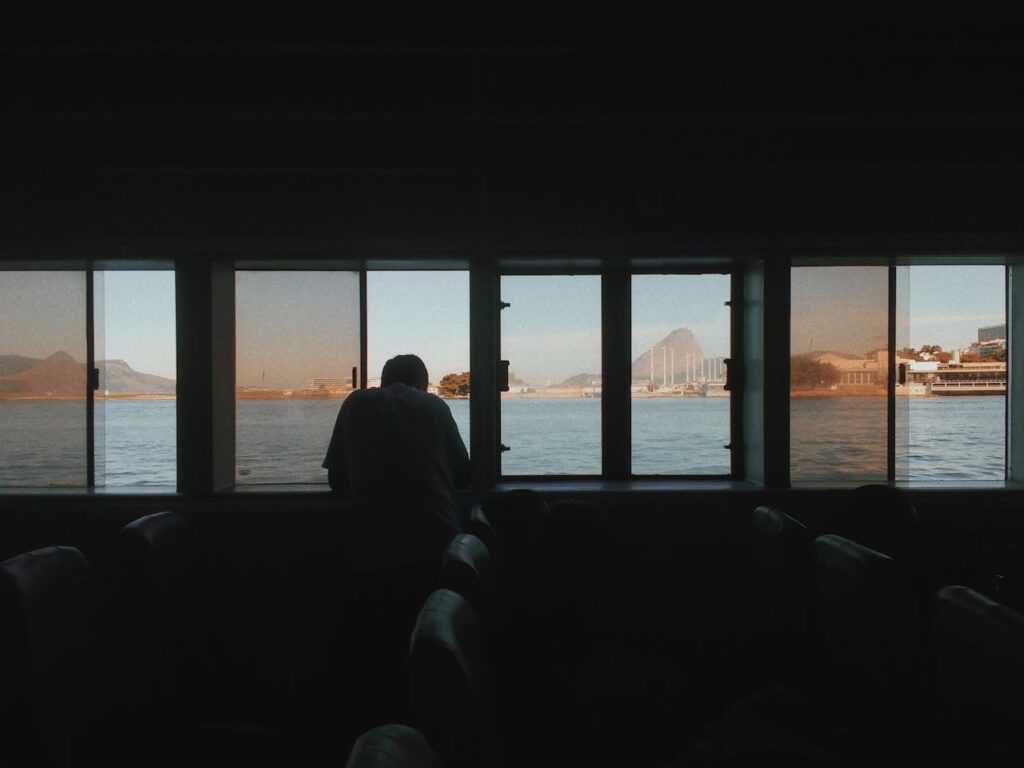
{"type": "Point", "coordinates": [955, 379]}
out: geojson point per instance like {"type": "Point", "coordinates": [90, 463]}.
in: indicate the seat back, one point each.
{"type": "Point", "coordinates": [479, 525]}
{"type": "Point", "coordinates": [57, 681]}
{"type": "Point", "coordinates": [858, 599]}
{"type": "Point", "coordinates": [449, 682]}
{"type": "Point", "coordinates": [467, 568]}
{"type": "Point", "coordinates": [157, 573]}
{"type": "Point", "coordinates": [392, 746]}
{"type": "Point", "coordinates": [979, 650]}
{"type": "Point", "coordinates": [515, 516]}
{"type": "Point", "coordinates": [781, 590]}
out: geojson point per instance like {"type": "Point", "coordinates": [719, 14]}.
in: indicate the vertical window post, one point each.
{"type": "Point", "coordinates": [90, 391]}
{"type": "Point", "coordinates": [767, 316]}
{"type": "Point", "coordinates": [1015, 358]}
{"type": "Point", "coordinates": [205, 306]}
{"type": "Point", "coordinates": [484, 325]}
{"type": "Point", "coordinates": [616, 321]}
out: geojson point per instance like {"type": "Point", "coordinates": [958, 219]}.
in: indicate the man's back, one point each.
{"type": "Point", "coordinates": [397, 453]}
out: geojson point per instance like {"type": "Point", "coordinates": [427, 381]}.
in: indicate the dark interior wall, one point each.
{"type": "Point", "coordinates": [689, 147]}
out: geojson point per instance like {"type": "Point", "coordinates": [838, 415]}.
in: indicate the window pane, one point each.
{"type": "Point", "coordinates": [296, 344]}
{"type": "Point", "coordinates": [680, 412]}
{"type": "Point", "coordinates": [136, 428]}
{"type": "Point", "coordinates": [551, 335]}
{"type": "Point", "coordinates": [953, 405]}
{"type": "Point", "coordinates": [42, 379]}
{"type": "Point", "coordinates": [839, 374]}
{"type": "Point", "coordinates": [426, 314]}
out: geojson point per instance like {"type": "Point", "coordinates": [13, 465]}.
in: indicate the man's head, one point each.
{"type": "Point", "coordinates": [404, 369]}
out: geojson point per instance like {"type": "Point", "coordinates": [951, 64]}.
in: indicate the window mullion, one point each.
{"type": "Point", "coordinates": [616, 375]}
{"type": "Point", "coordinates": [90, 368]}
{"type": "Point", "coordinates": [890, 387]}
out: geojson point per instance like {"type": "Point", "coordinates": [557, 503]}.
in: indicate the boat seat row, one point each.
{"type": "Point", "coordinates": [874, 667]}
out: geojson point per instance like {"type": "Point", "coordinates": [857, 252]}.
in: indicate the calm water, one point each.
{"type": "Point", "coordinates": [281, 441]}
{"type": "Point", "coordinates": [938, 439]}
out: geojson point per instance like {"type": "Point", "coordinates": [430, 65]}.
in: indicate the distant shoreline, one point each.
{"type": "Point", "coordinates": [547, 394]}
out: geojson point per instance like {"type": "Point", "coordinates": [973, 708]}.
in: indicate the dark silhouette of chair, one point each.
{"type": "Point", "coordinates": [59, 686]}
{"type": "Point", "coordinates": [158, 582]}
{"type": "Point", "coordinates": [858, 684]}
{"type": "Point", "coordinates": [868, 628]}
{"type": "Point", "coordinates": [392, 746]}
{"type": "Point", "coordinates": [158, 578]}
{"type": "Point", "coordinates": [449, 683]}
{"type": "Point", "coordinates": [515, 516]}
{"type": "Point", "coordinates": [480, 526]}
{"type": "Point", "coordinates": [979, 651]}
{"type": "Point", "coordinates": [781, 591]}
{"type": "Point", "coordinates": [467, 568]}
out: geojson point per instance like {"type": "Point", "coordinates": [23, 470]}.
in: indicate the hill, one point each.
{"type": "Point", "coordinates": [119, 378]}
{"type": "Point", "coordinates": [582, 380]}
{"type": "Point", "coordinates": [11, 364]}
{"type": "Point", "coordinates": [677, 345]}
{"type": "Point", "coordinates": [59, 375]}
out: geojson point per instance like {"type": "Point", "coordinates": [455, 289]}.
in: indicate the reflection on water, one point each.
{"type": "Point", "coordinates": [838, 439]}
{"type": "Point", "coordinates": [943, 439]}
{"type": "Point", "coordinates": [42, 443]}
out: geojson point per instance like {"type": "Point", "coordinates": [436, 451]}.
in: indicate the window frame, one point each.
{"type": "Point", "coordinates": [734, 362]}
{"type": "Point", "coordinates": [893, 264]}
{"type": "Point", "coordinates": [760, 329]}
{"type": "Point", "coordinates": [89, 267]}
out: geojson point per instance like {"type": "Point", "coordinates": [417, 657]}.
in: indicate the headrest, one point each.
{"type": "Point", "coordinates": [392, 746]}
{"type": "Point", "coordinates": [467, 569]}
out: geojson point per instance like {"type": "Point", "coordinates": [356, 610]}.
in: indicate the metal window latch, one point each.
{"type": "Point", "coordinates": [503, 375]}
{"type": "Point", "coordinates": [502, 448]}
{"type": "Point", "coordinates": [727, 362]}
{"type": "Point", "coordinates": [354, 378]}
{"type": "Point", "coordinates": [94, 379]}
{"type": "Point", "coordinates": [503, 305]}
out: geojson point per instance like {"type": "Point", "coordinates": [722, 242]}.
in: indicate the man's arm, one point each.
{"type": "Point", "coordinates": [334, 462]}
{"type": "Point", "coordinates": [338, 480]}
{"type": "Point", "coordinates": [458, 455]}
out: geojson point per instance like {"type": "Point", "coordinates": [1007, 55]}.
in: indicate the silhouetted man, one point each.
{"type": "Point", "coordinates": [397, 453]}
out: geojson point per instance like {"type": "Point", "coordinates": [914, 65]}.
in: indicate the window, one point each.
{"type": "Point", "coordinates": [297, 356]}
{"type": "Point", "coordinates": [680, 409]}
{"type": "Point", "coordinates": [551, 336]}
{"type": "Point", "coordinates": [951, 394]}
{"type": "Point", "coordinates": [941, 416]}
{"type": "Point", "coordinates": [839, 369]}
{"type": "Point", "coordinates": [44, 431]}
{"type": "Point", "coordinates": [425, 313]}
{"type": "Point", "coordinates": [135, 423]}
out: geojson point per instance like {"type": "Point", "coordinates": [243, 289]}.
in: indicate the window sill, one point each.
{"type": "Point", "coordinates": [117, 491]}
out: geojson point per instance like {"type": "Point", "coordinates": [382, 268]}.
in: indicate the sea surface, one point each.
{"type": "Point", "coordinates": [840, 440]}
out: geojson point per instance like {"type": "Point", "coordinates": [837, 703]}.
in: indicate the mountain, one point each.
{"type": "Point", "coordinates": [677, 345]}
{"type": "Point", "coordinates": [11, 364]}
{"type": "Point", "coordinates": [59, 375]}
{"type": "Point", "coordinates": [119, 378]}
{"type": "Point", "coordinates": [582, 380]}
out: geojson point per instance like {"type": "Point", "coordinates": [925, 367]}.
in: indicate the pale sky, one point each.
{"type": "Point", "coordinates": [296, 325]}
{"type": "Point", "coordinates": [42, 313]}
{"type": "Point", "coordinates": [423, 313]}
{"type": "Point", "coordinates": [844, 309]}
{"type": "Point", "coordinates": [137, 321]}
